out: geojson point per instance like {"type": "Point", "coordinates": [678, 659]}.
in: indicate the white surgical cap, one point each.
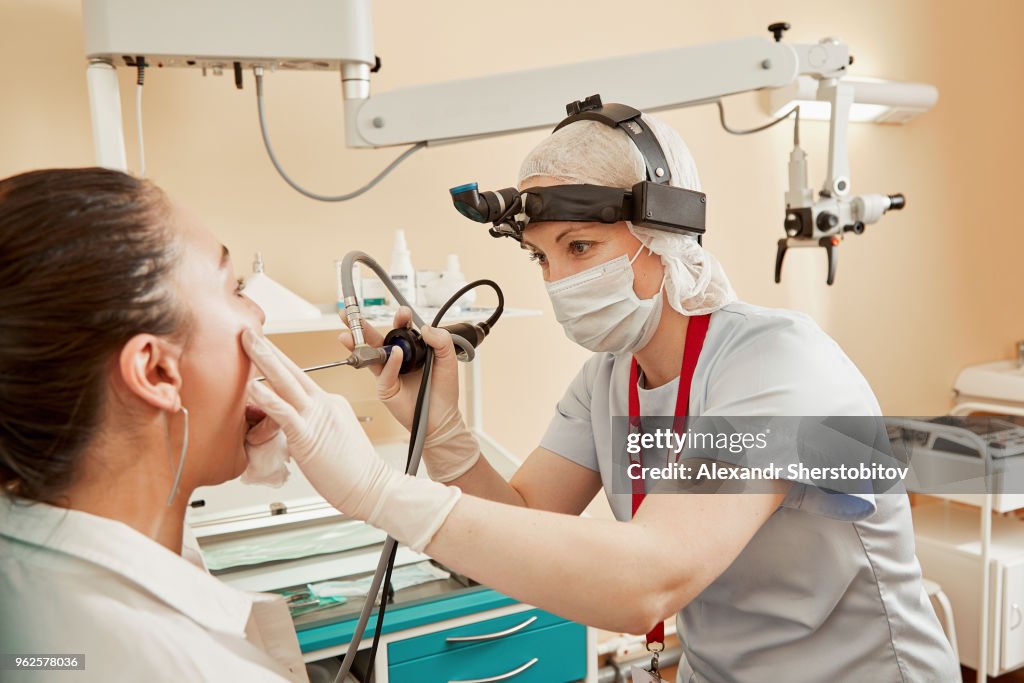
{"type": "Point", "coordinates": [590, 152]}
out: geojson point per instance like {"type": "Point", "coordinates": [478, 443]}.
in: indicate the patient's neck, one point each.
{"type": "Point", "coordinates": [128, 480]}
{"type": "Point", "coordinates": [662, 358]}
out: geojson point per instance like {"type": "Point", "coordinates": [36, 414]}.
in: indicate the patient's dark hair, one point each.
{"type": "Point", "coordinates": [85, 256]}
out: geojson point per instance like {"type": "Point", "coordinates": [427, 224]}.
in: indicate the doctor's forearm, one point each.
{"type": "Point", "coordinates": [483, 481]}
{"type": "Point", "coordinates": [603, 573]}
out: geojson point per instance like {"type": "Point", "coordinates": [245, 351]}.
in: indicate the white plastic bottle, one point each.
{"type": "Point", "coordinates": [401, 272]}
{"type": "Point", "coordinates": [454, 280]}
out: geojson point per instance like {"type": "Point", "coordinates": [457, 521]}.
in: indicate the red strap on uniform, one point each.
{"type": "Point", "coordinates": [696, 330]}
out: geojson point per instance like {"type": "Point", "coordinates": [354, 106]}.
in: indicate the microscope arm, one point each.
{"type": "Point", "coordinates": [333, 36]}
{"type": "Point", "coordinates": [530, 99]}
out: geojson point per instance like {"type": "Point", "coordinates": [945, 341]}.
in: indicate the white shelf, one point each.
{"type": "Point", "coordinates": [329, 319]}
{"type": "Point", "coordinates": [956, 526]}
{"type": "Point", "coordinates": [999, 381]}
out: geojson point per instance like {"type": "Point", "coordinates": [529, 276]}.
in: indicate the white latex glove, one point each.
{"type": "Point", "coordinates": [268, 459]}
{"type": "Point", "coordinates": [332, 450]}
{"type": "Point", "coordinates": [450, 449]}
{"type": "Point", "coordinates": [266, 450]}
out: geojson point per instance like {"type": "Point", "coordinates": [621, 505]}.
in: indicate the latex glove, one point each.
{"type": "Point", "coordinates": [332, 450]}
{"type": "Point", "coordinates": [450, 449]}
{"type": "Point", "coordinates": [267, 451]}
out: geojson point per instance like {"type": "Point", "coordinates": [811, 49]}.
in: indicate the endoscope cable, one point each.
{"type": "Point", "coordinates": [418, 432]}
{"type": "Point", "coordinates": [420, 399]}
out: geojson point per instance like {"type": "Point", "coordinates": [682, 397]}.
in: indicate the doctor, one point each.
{"type": "Point", "coordinates": [793, 584]}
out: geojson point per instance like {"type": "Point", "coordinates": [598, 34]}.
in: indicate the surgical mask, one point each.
{"type": "Point", "coordinates": [600, 311]}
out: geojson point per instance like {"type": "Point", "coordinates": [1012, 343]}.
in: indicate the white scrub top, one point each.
{"type": "Point", "coordinates": [76, 583]}
{"type": "Point", "coordinates": [829, 588]}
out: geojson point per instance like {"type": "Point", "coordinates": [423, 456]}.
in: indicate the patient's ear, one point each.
{"type": "Point", "coordinates": [150, 369]}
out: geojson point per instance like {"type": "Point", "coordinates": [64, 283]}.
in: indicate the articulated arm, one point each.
{"type": "Point", "coordinates": [522, 100]}
{"type": "Point", "coordinates": [329, 35]}
{"type": "Point", "coordinates": [338, 36]}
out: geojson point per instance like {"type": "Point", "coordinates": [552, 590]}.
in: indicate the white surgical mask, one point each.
{"type": "Point", "coordinates": [600, 311]}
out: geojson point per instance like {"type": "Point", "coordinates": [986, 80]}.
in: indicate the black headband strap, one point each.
{"type": "Point", "coordinates": [584, 203]}
{"type": "Point", "coordinates": [628, 119]}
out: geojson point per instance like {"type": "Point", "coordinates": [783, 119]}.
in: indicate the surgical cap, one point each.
{"type": "Point", "coordinates": [590, 152]}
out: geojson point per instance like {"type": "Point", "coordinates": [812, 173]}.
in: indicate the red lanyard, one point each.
{"type": "Point", "coordinates": [696, 330]}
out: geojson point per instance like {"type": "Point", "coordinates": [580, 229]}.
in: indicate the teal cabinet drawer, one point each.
{"type": "Point", "coordinates": [488, 631]}
{"type": "Point", "coordinates": [556, 654]}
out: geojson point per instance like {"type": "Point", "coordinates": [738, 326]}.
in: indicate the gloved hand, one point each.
{"type": "Point", "coordinates": [267, 451]}
{"type": "Point", "coordinates": [332, 450]}
{"type": "Point", "coordinates": [449, 449]}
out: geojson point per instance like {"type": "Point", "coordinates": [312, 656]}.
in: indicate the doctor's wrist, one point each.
{"type": "Point", "coordinates": [453, 458]}
{"type": "Point", "coordinates": [410, 509]}
{"type": "Point", "coordinates": [450, 450]}
{"type": "Point", "coordinates": [451, 426]}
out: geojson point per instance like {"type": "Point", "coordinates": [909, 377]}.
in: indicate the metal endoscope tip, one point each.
{"type": "Point", "coordinates": [314, 368]}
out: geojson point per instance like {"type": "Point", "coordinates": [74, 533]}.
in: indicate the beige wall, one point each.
{"type": "Point", "coordinates": [920, 295]}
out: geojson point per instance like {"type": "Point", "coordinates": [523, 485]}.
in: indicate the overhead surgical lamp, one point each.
{"type": "Point", "coordinates": [875, 100]}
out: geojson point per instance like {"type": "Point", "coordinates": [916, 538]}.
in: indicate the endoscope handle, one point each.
{"type": "Point", "coordinates": [474, 333]}
{"type": "Point", "coordinates": [414, 349]}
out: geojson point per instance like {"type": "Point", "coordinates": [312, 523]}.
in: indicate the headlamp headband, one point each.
{"type": "Point", "coordinates": [651, 203]}
{"type": "Point", "coordinates": [628, 119]}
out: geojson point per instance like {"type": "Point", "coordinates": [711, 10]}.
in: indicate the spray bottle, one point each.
{"type": "Point", "coordinates": [401, 272]}
{"type": "Point", "coordinates": [454, 280]}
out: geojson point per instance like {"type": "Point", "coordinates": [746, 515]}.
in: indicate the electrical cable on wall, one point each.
{"type": "Point", "coordinates": [260, 107]}
{"type": "Point", "coordinates": [758, 129]}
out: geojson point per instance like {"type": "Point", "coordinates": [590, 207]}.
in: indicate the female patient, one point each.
{"type": "Point", "coordinates": [122, 389]}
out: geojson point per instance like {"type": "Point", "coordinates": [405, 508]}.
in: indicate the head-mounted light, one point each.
{"type": "Point", "coordinates": [651, 203]}
{"type": "Point", "coordinates": [510, 211]}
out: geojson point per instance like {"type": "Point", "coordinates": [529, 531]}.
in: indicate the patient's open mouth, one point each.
{"type": "Point", "coordinates": [253, 415]}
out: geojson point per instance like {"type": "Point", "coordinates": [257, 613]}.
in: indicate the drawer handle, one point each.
{"type": "Point", "coordinates": [502, 677]}
{"type": "Point", "coordinates": [491, 636]}
{"type": "Point", "coordinates": [1015, 611]}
